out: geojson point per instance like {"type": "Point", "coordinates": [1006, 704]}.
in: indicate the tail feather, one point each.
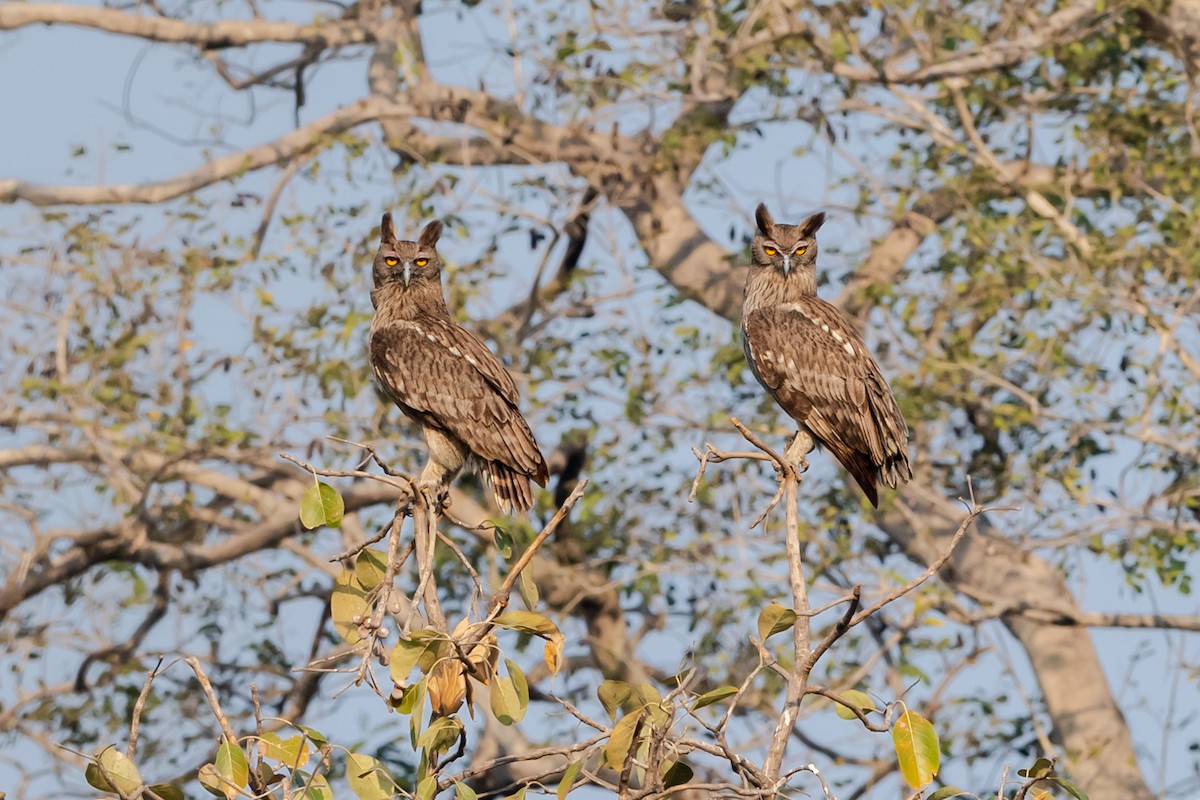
{"type": "Point", "coordinates": [511, 488]}
{"type": "Point", "coordinates": [861, 467]}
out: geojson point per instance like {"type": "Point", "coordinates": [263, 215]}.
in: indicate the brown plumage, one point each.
{"type": "Point", "coordinates": [813, 361]}
{"type": "Point", "coordinates": [444, 378]}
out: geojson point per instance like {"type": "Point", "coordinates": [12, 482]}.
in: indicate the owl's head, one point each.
{"type": "Point", "coordinates": [407, 263]}
{"type": "Point", "coordinates": [788, 248]}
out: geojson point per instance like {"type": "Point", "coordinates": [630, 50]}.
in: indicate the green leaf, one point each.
{"type": "Point", "coordinates": [370, 567]}
{"type": "Point", "coordinates": [529, 622]}
{"type": "Point", "coordinates": [348, 601]}
{"type": "Point", "coordinates": [857, 699]}
{"type": "Point", "coordinates": [464, 792]}
{"type": "Point", "coordinates": [1040, 769]}
{"type": "Point", "coordinates": [917, 748]}
{"type": "Point", "coordinates": [321, 505]}
{"type": "Point", "coordinates": [520, 683]}
{"type": "Point", "coordinates": [613, 695]}
{"type": "Point", "coordinates": [503, 541]}
{"type": "Point", "coordinates": [426, 788]}
{"type": "Point", "coordinates": [368, 779]}
{"type": "Point", "coordinates": [519, 794]}
{"type": "Point", "coordinates": [527, 589]}
{"type": "Point", "coordinates": [440, 734]}
{"type": "Point", "coordinates": [409, 697]}
{"type": "Point", "coordinates": [677, 774]}
{"type": "Point", "coordinates": [620, 741]}
{"type": "Point", "coordinates": [503, 700]}
{"type": "Point", "coordinates": [122, 775]}
{"type": "Point", "coordinates": [412, 652]}
{"type": "Point", "coordinates": [510, 695]}
{"type": "Point", "coordinates": [1071, 788]}
{"type": "Point", "coordinates": [714, 696]}
{"type": "Point", "coordinates": [314, 735]}
{"type": "Point", "coordinates": [774, 619]}
{"type": "Point", "coordinates": [947, 792]}
{"type": "Point", "coordinates": [232, 766]}
{"type": "Point", "coordinates": [166, 791]}
{"type": "Point", "coordinates": [567, 781]}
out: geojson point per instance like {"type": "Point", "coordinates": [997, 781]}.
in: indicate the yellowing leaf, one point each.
{"type": "Point", "coordinates": [368, 779]}
{"type": "Point", "coordinates": [774, 619]}
{"type": "Point", "coordinates": [211, 780]}
{"type": "Point", "coordinates": [291, 752]}
{"type": "Point", "coordinates": [321, 505]}
{"type": "Point", "coordinates": [313, 787]}
{"type": "Point", "coordinates": [917, 748]}
{"type": "Point", "coordinates": [620, 741]}
{"type": "Point", "coordinates": [857, 699]}
{"type": "Point", "coordinates": [568, 778]}
{"type": "Point", "coordinates": [349, 600]}
{"type": "Point", "coordinates": [112, 771]}
{"type": "Point", "coordinates": [426, 788]}
{"type": "Point", "coordinates": [232, 766]}
{"type": "Point", "coordinates": [553, 655]}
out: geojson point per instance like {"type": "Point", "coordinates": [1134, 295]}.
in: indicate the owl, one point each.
{"type": "Point", "coordinates": [444, 378]}
{"type": "Point", "coordinates": [814, 363]}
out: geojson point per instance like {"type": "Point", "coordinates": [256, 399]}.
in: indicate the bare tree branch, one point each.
{"type": "Point", "coordinates": [209, 36]}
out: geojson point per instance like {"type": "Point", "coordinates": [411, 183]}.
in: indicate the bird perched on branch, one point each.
{"type": "Point", "coordinates": [444, 378]}
{"type": "Point", "coordinates": [813, 361]}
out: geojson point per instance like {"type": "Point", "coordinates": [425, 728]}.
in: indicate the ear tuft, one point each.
{"type": "Point", "coordinates": [811, 225]}
{"type": "Point", "coordinates": [430, 234]}
{"type": "Point", "coordinates": [387, 229]}
{"type": "Point", "coordinates": [763, 218]}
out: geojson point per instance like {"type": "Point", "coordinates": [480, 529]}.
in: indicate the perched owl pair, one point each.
{"type": "Point", "coordinates": [800, 349]}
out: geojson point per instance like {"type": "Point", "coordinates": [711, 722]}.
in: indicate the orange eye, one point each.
{"type": "Point", "coordinates": [420, 262]}
{"type": "Point", "coordinates": [799, 251]}
{"type": "Point", "coordinates": [769, 250]}
{"type": "Point", "coordinates": [391, 261]}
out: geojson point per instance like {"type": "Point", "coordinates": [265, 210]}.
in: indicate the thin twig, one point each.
{"type": "Point", "coordinates": [131, 750]}
{"type": "Point", "coordinates": [895, 595]}
{"type": "Point", "coordinates": [839, 630]}
{"type": "Point", "coordinates": [214, 704]}
{"type": "Point", "coordinates": [350, 473]}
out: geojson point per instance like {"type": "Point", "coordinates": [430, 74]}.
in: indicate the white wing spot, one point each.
{"type": "Point", "coordinates": [791, 364]}
{"type": "Point", "coordinates": [454, 351]}
{"type": "Point", "coordinates": [768, 355]}
{"type": "Point", "coordinates": [849, 347]}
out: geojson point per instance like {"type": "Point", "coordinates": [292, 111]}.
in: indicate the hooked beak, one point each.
{"type": "Point", "coordinates": [407, 272]}
{"type": "Point", "coordinates": [787, 265]}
